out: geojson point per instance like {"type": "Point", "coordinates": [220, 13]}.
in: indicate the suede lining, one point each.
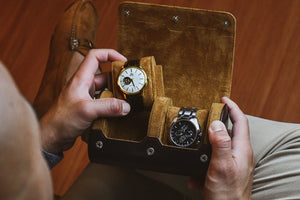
{"type": "Point", "coordinates": [194, 49]}
{"type": "Point", "coordinates": [196, 52]}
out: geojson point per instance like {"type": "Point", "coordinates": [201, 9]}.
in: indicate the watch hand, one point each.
{"type": "Point", "coordinates": [179, 133]}
{"type": "Point", "coordinates": [184, 127]}
{"type": "Point", "coordinates": [132, 82]}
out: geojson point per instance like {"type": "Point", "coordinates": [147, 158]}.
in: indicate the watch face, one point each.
{"type": "Point", "coordinates": [183, 133]}
{"type": "Point", "coordinates": [132, 80]}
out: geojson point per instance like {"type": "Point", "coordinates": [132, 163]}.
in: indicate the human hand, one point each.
{"type": "Point", "coordinates": [231, 168]}
{"type": "Point", "coordinates": [75, 109]}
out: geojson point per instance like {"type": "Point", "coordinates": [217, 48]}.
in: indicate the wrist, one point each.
{"type": "Point", "coordinates": [53, 137]}
{"type": "Point", "coordinates": [49, 140]}
{"type": "Point", "coordinates": [224, 192]}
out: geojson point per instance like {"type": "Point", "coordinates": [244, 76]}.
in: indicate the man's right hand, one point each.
{"type": "Point", "coordinates": [231, 168]}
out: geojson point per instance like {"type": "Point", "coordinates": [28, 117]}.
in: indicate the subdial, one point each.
{"type": "Point", "coordinates": [127, 80]}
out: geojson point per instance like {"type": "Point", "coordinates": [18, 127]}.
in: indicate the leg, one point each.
{"type": "Point", "coordinates": [276, 149]}
{"type": "Point", "coordinates": [109, 182]}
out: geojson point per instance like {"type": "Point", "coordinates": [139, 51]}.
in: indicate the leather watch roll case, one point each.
{"type": "Point", "coordinates": [194, 49]}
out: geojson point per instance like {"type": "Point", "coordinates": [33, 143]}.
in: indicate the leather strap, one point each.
{"type": "Point", "coordinates": [136, 101]}
{"type": "Point", "coordinates": [132, 63]}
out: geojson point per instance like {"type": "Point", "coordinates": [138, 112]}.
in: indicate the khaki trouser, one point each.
{"type": "Point", "coordinates": [276, 148]}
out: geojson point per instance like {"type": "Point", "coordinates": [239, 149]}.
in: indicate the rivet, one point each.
{"type": "Point", "coordinates": [150, 151]}
{"type": "Point", "coordinates": [203, 158]}
{"type": "Point", "coordinates": [127, 12]}
{"type": "Point", "coordinates": [175, 18]}
{"type": "Point", "coordinates": [99, 144]}
{"type": "Point", "coordinates": [226, 23]}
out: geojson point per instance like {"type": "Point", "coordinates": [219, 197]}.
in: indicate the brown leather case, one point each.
{"type": "Point", "coordinates": [195, 50]}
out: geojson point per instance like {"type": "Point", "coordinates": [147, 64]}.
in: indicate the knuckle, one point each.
{"type": "Point", "coordinates": [92, 52]}
{"type": "Point", "coordinates": [112, 51]}
{"type": "Point", "coordinates": [115, 106]}
{"type": "Point", "coordinates": [223, 141]}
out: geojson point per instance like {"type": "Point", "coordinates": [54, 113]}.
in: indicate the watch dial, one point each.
{"type": "Point", "coordinates": [132, 80]}
{"type": "Point", "coordinates": [183, 133]}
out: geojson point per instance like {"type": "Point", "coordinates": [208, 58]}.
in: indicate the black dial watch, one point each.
{"type": "Point", "coordinates": [132, 80]}
{"type": "Point", "coordinates": [185, 130]}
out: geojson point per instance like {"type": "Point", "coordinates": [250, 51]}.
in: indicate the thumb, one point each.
{"type": "Point", "coordinates": [106, 107]}
{"type": "Point", "coordinates": [220, 141]}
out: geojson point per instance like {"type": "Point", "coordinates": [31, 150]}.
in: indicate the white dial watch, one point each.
{"type": "Point", "coordinates": [131, 81]}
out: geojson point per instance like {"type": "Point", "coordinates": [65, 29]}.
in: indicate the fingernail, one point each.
{"type": "Point", "coordinates": [126, 108]}
{"type": "Point", "coordinates": [216, 126]}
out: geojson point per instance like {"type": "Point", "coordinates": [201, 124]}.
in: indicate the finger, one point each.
{"type": "Point", "coordinates": [235, 112]}
{"type": "Point", "coordinates": [239, 120]}
{"type": "Point", "coordinates": [100, 81]}
{"type": "Point", "coordinates": [107, 107]}
{"type": "Point", "coordinates": [241, 139]}
{"type": "Point", "coordinates": [91, 62]}
{"type": "Point", "coordinates": [220, 142]}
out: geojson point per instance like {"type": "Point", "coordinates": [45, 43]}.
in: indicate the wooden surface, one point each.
{"type": "Point", "coordinates": [266, 79]}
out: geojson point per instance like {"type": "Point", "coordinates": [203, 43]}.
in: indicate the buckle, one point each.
{"type": "Point", "coordinates": [75, 43]}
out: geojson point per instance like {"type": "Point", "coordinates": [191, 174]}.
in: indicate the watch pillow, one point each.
{"type": "Point", "coordinates": [154, 86]}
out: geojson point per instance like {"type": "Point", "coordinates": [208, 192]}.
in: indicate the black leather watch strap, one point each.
{"type": "Point", "coordinates": [132, 63]}
{"type": "Point", "coordinates": [136, 102]}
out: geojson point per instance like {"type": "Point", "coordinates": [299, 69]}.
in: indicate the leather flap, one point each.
{"type": "Point", "coordinates": [195, 48]}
